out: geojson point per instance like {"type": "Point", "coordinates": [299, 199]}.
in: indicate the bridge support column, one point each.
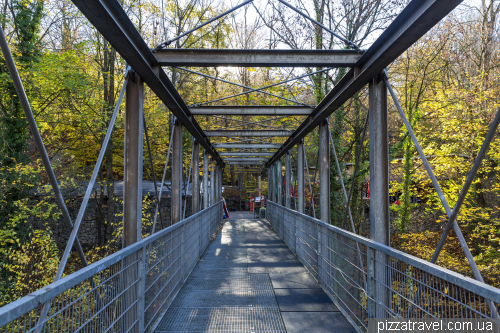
{"type": "Point", "coordinates": [177, 172]}
{"type": "Point", "coordinates": [216, 183]}
{"type": "Point", "coordinates": [220, 182]}
{"type": "Point", "coordinates": [379, 186]}
{"type": "Point", "coordinates": [300, 176]}
{"type": "Point", "coordinates": [324, 172]}
{"type": "Point", "coordinates": [212, 186]}
{"type": "Point", "coordinates": [279, 199]}
{"type": "Point", "coordinates": [196, 178]}
{"type": "Point", "coordinates": [206, 203]}
{"type": "Point", "coordinates": [269, 183]}
{"type": "Point", "coordinates": [132, 194]}
{"type": "Point", "coordinates": [288, 180]}
{"type": "Point", "coordinates": [273, 182]}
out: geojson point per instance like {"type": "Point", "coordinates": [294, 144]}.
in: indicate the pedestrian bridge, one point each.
{"type": "Point", "coordinates": [289, 273]}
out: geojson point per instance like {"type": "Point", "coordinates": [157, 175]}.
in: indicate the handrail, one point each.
{"type": "Point", "coordinates": [331, 254]}
{"type": "Point", "coordinates": [24, 305]}
{"type": "Point", "coordinates": [483, 289]}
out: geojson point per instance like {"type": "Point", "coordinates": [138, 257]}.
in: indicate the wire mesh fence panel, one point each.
{"type": "Point", "coordinates": [288, 229]}
{"type": "Point", "coordinates": [366, 279]}
{"type": "Point", "coordinates": [125, 292]}
{"type": "Point", "coordinates": [307, 243]}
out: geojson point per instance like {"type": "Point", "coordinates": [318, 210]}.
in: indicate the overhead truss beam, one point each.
{"type": "Point", "coordinates": [413, 22]}
{"type": "Point", "coordinates": [245, 154]}
{"type": "Point", "coordinates": [249, 133]}
{"type": "Point", "coordinates": [246, 163]}
{"type": "Point", "coordinates": [247, 145]}
{"type": "Point", "coordinates": [248, 159]}
{"type": "Point", "coordinates": [256, 58]}
{"type": "Point", "coordinates": [112, 22]}
{"type": "Point", "coordinates": [251, 110]}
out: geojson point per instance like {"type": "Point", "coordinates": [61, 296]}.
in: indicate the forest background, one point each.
{"type": "Point", "coordinates": [447, 83]}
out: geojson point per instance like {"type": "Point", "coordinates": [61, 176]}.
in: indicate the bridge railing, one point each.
{"type": "Point", "coordinates": [366, 279]}
{"type": "Point", "coordinates": [128, 291]}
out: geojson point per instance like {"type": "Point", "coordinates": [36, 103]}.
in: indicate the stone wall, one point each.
{"type": "Point", "coordinates": [87, 233]}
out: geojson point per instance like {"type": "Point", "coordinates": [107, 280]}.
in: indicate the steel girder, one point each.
{"type": "Point", "coordinates": [243, 159]}
{"type": "Point", "coordinates": [257, 110]}
{"type": "Point", "coordinates": [249, 133]}
{"type": "Point", "coordinates": [245, 154]}
{"type": "Point", "coordinates": [245, 163]}
{"type": "Point", "coordinates": [247, 145]}
{"type": "Point", "coordinates": [413, 22]}
{"type": "Point", "coordinates": [257, 58]}
{"type": "Point", "coordinates": [112, 22]}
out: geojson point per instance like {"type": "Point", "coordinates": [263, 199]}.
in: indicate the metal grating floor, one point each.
{"type": "Point", "coordinates": [221, 295]}
{"type": "Point", "coordinates": [248, 281]}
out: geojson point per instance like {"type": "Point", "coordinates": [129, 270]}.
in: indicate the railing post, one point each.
{"type": "Point", "coordinates": [324, 172]}
{"type": "Point", "coordinates": [176, 199]}
{"type": "Point", "coordinates": [379, 187]}
{"type": "Point", "coordinates": [300, 176]}
{"type": "Point", "coordinates": [370, 281]}
{"type": "Point", "coordinates": [295, 231]}
{"type": "Point", "coordinates": [143, 267]}
{"type": "Point", "coordinates": [182, 254]}
{"type": "Point", "coordinates": [320, 252]}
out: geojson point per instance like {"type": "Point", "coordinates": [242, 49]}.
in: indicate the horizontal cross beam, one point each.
{"type": "Point", "coordinates": [248, 133]}
{"type": "Point", "coordinates": [256, 58]}
{"type": "Point", "coordinates": [257, 110]}
{"type": "Point", "coordinates": [245, 154]}
{"type": "Point", "coordinates": [248, 159]}
{"type": "Point", "coordinates": [246, 163]}
{"type": "Point", "coordinates": [418, 17]}
{"type": "Point", "coordinates": [247, 145]}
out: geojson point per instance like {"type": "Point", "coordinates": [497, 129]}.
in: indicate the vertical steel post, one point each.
{"type": "Point", "coordinates": [324, 172]}
{"type": "Point", "coordinates": [379, 187]}
{"type": "Point", "coordinates": [220, 182]}
{"type": "Point", "coordinates": [279, 200]}
{"type": "Point", "coordinates": [177, 172]}
{"type": "Point", "coordinates": [216, 183]}
{"type": "Point", "coordinates": [212, 186]}
{"type": "Point", "coordinates": [195, 202]}
{"type": "Point", "coordinates": [300, 176]}
{"type": "Point", "coordinates": [132, 194]}
{"type": "Point", "coordinates": [288, 180]}
{"type": "Point", "coordinates": [269, 183]}
{"type": "Point", "coordinates": [258, 186]}
{"type": "Point", "coordinates": [273, 182]}
{"type": "Point", "coordinates": [206, 197]}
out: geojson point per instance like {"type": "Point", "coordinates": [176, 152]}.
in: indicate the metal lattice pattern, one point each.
{"type": "Point", "coordinates": [221, 295]}
{"type": "Point", "coordinates": [124, 292]}
{"type": "Point", "coordinates": [366, 279]}
{"type": "Point", "coordinates": [223, 320]}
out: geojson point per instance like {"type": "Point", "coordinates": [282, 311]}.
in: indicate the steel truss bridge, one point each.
{"type": "Point", "coordinates": [201, 274]}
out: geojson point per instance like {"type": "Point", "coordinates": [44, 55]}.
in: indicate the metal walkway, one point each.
{"type": "Point", "coordinates": [249, 281]}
